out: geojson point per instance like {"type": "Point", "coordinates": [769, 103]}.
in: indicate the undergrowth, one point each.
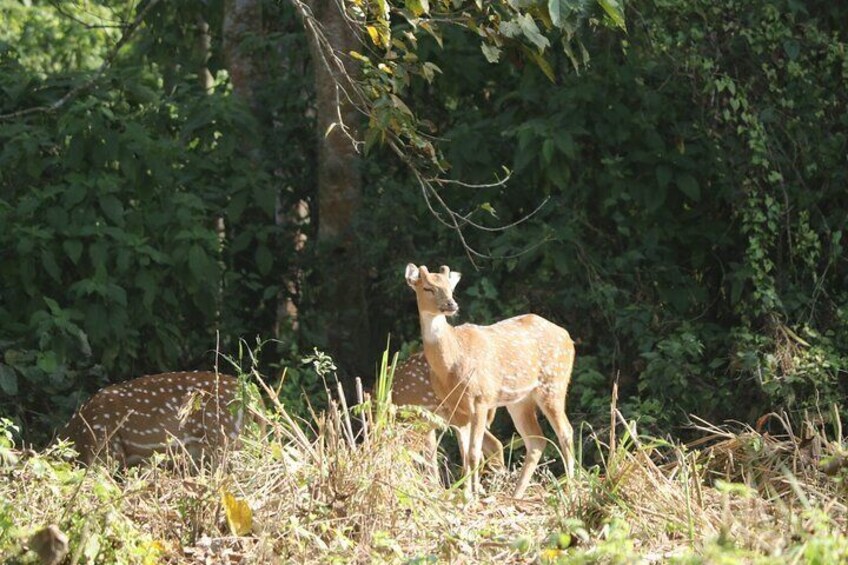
{"type": "Point", "coordinates": [345, 486]}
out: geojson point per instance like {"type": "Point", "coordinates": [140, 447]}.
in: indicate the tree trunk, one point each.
{"type": "Point", "coordinates": [203, 47]}
{"type": "Point", "coordinates": [342, 296]}
{"type": "Point", "coordinates": [242, 19]}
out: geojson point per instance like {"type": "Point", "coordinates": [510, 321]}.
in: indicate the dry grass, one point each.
{"type": "Point", "coordinates": [319, 492]}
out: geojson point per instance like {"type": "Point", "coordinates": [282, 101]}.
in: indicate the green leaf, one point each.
{"type": "Point", "coordinates": [541, 62]}
{"type": "Point", "coordinates": [47, 362]}
{"type": "Point", "coordinates": [487, 207]}
{"type": "Point", "coordinates": [531, 32]}
{"type": "Point", "coordinates": [548, 150]}
{"type": "Point", "coordinates": [418, 7]}
{"type": "Point", "coordinates": [113, 208]}
{"type": "Point", "coordinates": [663, 176]}
{"type": "Point", "coordinates": [434, 32]}
{"type": "Point", "coordinates": [491, 52]}
{"type": "Point", "coordinates": [264, 259]}
{"type": "Point", "coordinates": [73, 248]}
{"type": "Point", "coordinates": [8, 380]}
{"type": "Point", "coordinates": [689, 186]}
{"type": "Point", "coordinates": [197, 261]}
{"type": "Point", "coordinates": [372, 136]}
{"type": "Point", "coordinates": [55, 309]}
{"type": "Point", "coordinates": [75, 194]}
{"type": "Point", "coordinates": [559, 10]}
{"type": "Point", "coordinates": [615, 11]}
{"type": "Point", "coordinates": [48, 261]}
{"type": "Point", "coordinates": [792, 48]}
{"type": "Point", "coordinates": [98, 253]}
{"type": "Point", "coordinates": [429, 71]}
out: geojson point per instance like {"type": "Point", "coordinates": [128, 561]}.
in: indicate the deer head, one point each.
{"type": "Point", "coordinates": [434, 291]}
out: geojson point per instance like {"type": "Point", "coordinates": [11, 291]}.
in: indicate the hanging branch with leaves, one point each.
{"type": "Point", "coordinates": [389, 59]}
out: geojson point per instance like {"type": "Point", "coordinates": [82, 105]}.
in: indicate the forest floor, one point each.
{"type": "Point", "coordinates": [311, 492]}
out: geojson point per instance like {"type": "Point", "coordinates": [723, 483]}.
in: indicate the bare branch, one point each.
{"type": "Point", "coordinates": [463, 184]}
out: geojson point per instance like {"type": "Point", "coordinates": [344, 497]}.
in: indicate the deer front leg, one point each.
{"type": "Point", "coordinates": [463, 437]}
{"type": "Point", "coordinates": [432, 452]}
{"type": "Point", "coordinates": [493, 450]}
{"type": "Point", "coordinates": [479, 422]}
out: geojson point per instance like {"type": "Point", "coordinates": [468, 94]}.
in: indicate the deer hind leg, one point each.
{"type": "Point", "coordinates": [493, 450]}
{"type": "Point", "coordinates": [463, 438]}
{"type": "Point", "coordinates": [554, 411]}
{"type": "Point", "coordinates": [524, 416]}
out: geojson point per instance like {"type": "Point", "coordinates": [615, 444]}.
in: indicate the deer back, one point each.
{"type": "Point", "coordinates": [134, 419]}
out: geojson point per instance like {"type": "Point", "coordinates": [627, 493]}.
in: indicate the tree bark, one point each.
{"type": "Point", "coordinates": [242, 19]}
{"type": "Point", "coordinates": [342, 296]}
{"type": "Point", "coordinates": [203, 47]}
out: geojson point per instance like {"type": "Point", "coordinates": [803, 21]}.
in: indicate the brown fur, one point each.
{"type": "Point", "coordinates": [523, 363]}
{"type": "Point", "coordinates": [134, 419]}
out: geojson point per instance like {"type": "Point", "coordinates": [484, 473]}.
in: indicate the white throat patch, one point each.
{"type": "Point", "coordinates": [433, 327]}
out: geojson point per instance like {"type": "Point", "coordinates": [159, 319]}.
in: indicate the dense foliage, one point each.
{"type": "Point", "coordinates": [693, 175]}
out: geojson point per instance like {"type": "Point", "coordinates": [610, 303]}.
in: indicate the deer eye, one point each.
{"type": "Point", "coordinates": [430, 290]}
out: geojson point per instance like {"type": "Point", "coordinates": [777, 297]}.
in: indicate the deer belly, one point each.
{"type": "Point", "coordinates": [510, 395]}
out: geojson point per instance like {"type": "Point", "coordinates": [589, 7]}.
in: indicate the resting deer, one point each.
{"type": "Point", "coordinates": [412, 387]}
{"type": "Point", "coordinates": [523, 363]}
{"type": "Point", "coordinates": [134, 419]}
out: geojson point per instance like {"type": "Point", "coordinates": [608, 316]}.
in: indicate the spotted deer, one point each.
{"type": "Point", "coordinates": [412, 387]}
{"type": "Point", "coordinates": [134, 419]}
{"type": "Point", "coordinates": [523, 363]}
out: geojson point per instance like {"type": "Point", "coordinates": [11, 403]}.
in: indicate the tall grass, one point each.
{"type": "Point", "coordinates": [346, 485]}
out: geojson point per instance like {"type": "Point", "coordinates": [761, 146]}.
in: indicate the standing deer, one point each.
{"type": "Point", "coordinates": [523, 363]}
{"type": "Point", "coordinates": [134, 419]}
{"type": "Point", "coordinates": [412, 387]}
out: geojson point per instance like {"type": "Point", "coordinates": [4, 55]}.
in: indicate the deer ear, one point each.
{"type": "Point", "coordinates": [454, 279]}
{"type": "Point", "coordinates": [411, 274]}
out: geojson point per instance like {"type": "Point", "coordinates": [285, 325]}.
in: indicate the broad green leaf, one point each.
{"type": "Point", "coordinates": [74, 194]}
{"type": "Point", "coordinates": [73, 248]}
{"type": "Point", "coordinates": [559, 10]}
{"type": "Point", "coordinates": [98, 252]}
{"type": "Point", "coordinates": [48, 261]}
{"type": "Point", "coordinates": [663, 175]}
{"type": "Point", "coordinates": [429, 71]}
{"type": "Point", "coordinates": [264, 259]}
{"type": "Point", "coordinates": [54, 307]}
{"type": "Point", "coordinates": [689, 186]}
{"type": "Point", "coordinates": [548, 150]}
{"type": "Point", "coordinates": [541, 62]}
{"type": "Point", "coordinates": [655, 197]}
{"type": "Point", "coordinates": [47, 362]}
{"type": "Point", "coordinates": [531, 31]}
{"type": "Point", "coordinates": [491, 52]}
{"type": "Point", "coordinates": [372, 136]}
{"type": "Point", "coordinates": [434, 32]}
{"type": "Point", "coordinates": [615, 11]}
{"type": "Point", "coordinates": [400, 105]}
{"type": "Point", "coordinates": [8, 380]}
{"type": "Point", "coordinates": [113, 208]}
{"type": "Point", "coordinates": [197, 261]}
{"type": "Point", "coordinates": [418, 7]}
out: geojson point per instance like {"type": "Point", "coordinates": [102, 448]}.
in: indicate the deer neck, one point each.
{"type": "Point", "coordinates": [441, 346]}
